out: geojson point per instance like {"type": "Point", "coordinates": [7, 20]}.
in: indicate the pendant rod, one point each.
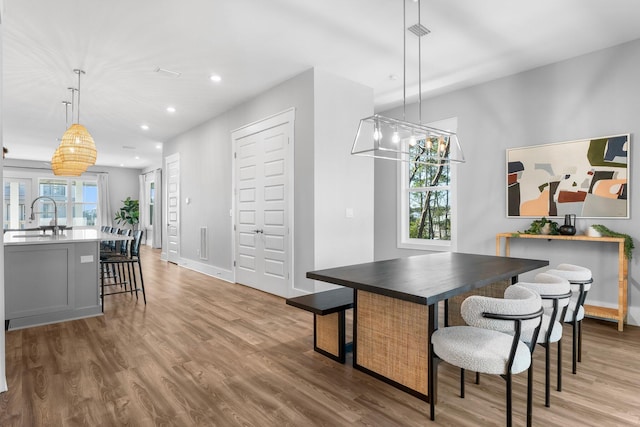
{"type": "Point", "coordinates": [419, 66]}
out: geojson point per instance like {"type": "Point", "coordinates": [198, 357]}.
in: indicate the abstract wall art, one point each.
{"type": "Point", "coordinates": [588, 178]}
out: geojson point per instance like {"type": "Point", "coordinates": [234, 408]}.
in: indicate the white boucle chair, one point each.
{"type": "Point", "coordinates": [555, 292]}
{"type": "Point", "coordinates": [491, 343]}
{"type": "Point", "coordinates": [580, 279]}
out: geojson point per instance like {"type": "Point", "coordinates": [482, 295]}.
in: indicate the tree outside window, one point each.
{"type": "Point", "coordinates": [428, 194]}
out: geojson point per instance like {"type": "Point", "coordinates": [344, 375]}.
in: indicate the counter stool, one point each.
{"type": "Point", "coordinates": [126, 263]}
{"type": "Point", "coordinates": [555, 292]}
{"type": "Point", "coordinates": [580, 279]}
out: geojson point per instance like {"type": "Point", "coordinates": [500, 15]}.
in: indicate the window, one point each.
{"type": "Point", "coordinates": [152, 200]}
{"type": "Point", "coordinates": [426, 200]}
{"type": "Point", "coordinates": [16, 195]}
{"type": "Point", "coordinates": [77, 202]}
{"type": "Point", "coordinates": [84, 202]}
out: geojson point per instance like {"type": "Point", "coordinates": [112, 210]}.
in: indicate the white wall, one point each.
{"type": "Point", "coordinates": [588, 96]}
{"type": "Point", "coordinates": [206, 173]}
{"type": "Point", "coordinates": [3, 378]}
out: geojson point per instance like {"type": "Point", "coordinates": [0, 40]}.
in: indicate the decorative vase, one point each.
{"type": "Point", "coordinates": [569, 227]}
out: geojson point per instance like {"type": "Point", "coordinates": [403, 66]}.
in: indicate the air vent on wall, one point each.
{"type": "Point", "coordinates": [419, 30]}
{"type": "Point", "coordinates": [167, 72]}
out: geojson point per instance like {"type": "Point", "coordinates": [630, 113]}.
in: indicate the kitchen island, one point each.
{"type": "Point", "coordinates": [51, 278]}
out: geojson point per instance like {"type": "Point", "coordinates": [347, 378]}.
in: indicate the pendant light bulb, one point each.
{"type": "Point", "coordinates": [429, 143]}
{"type": "Point", "coordinates": [412, 140]}
{"type": "Point", "coordinates": [377, 135]}
{"type": "Point", "coordinates": [441, 145]}
{"type": "Point", "coordinates": [395, 138]}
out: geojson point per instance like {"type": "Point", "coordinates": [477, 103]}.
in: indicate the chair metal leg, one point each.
{"type": "Point", "coordinates": [547, 374]}
{"type": "Point", "coordinates": [462, 383]}
{"type": "Point", "coordinates": [580, 341]}
{"type": "Point", "coordinates": [507, 377]}
{"type": "Point", "coordinates": [477, 377]}
{"type": "Point", "coordinates": [575, 347]}
{"type": "Point", "coordinates": [144, 295]}
{"type": "Point", "coordinates": [560, 365]}
{"type": "Point", "coordinates": [530, 395]}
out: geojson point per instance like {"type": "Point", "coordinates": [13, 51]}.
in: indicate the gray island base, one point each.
{"type": "Point", "coordinates": [50, 279]}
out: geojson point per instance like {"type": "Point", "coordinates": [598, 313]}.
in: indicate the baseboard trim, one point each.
{"type": "Point", "coordinates": [209, 270]}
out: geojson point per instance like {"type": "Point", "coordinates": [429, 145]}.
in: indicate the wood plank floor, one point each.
{"type": "Point", "coordinates": [204, 352]}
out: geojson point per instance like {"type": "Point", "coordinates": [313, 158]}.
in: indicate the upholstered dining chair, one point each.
{"type": "Point", "coordinates": [491, 342]}
{"type": "Point", "coordinates": [555, 292]}
{"type": "Point", "coordinates": [580, 280]}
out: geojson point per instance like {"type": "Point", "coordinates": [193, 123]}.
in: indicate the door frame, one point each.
{"type": "Point", "coordinates": [286, 117]}
{"type": "Point", "coordinates": [165, 177]}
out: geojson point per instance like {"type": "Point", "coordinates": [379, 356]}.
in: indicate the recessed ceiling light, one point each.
{"type": "Point", "coordinates": [171, 109]}
{"type": "Point", "coordinates": [121, 165]}
{"type": "Point", "coordinates": [159, 146]}
{"type": "Point", "coordinates": [137, 157]}
{"type": "Point", "coordinates": [144, 127]}
{"type": "Point", "coordinates": [215, 78]}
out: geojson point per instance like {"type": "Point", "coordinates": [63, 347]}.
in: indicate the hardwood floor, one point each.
{"type": "Point", "coordinates": [206, 352]}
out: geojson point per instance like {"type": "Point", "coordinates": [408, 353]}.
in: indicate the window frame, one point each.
{"type": "Point", "coordinates": [404, 189]}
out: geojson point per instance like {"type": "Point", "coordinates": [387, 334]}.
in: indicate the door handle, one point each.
{"type": "Point", "coordinates": [258, 231]}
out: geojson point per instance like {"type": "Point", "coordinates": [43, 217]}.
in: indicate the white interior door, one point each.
{"type": "Point", "coordinates": [172, 166]}
{"type": "Point", "coordinates": [262, 205]}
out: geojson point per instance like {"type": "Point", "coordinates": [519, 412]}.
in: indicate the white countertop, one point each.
{"type": "Point", "coordinates": [68, 236]}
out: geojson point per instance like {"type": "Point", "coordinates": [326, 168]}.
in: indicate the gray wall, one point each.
{"type": "Point", "coordinates": [342, 181]}
{"type": "Point", "coordinates": [326, 113]}
{"type": "Point", "coordinates": [206, 174]}
{"type": "Point", "coordinates": [588, 96]}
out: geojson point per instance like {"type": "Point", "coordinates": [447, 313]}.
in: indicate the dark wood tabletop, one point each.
{"type": "Point", "coordinates": [427, 279]}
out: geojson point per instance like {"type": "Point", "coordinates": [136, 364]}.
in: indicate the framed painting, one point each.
{"type": "Point", "coordinates": [588, 178]}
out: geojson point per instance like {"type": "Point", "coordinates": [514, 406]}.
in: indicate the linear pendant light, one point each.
{"type": "Point", "coordinates": [389, 138]}
{"type": "Point", "coordinates": [77, 146]}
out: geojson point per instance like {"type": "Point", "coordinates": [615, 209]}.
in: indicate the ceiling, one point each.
{"type": "Point", "coordinates": [254, 45]}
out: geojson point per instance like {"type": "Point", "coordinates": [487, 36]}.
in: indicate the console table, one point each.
{"type": "Point", "coordinates": [619, 314]}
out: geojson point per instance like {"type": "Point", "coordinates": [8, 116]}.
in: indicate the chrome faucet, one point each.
{"type": "Point", "coordinates": [55, 212]}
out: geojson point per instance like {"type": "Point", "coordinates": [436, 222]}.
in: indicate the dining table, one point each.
{"type": "Point", "coordinates": [396, 308]}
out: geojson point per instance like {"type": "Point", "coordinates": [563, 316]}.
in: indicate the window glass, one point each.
{"type": "Point", "coordinates": [428, 195]}
{"type": "Point", "coordinates": [152, 200]}
{"type": "Point", "coordinates": [426, 208]}
{"type": "Point", "coordinates": [14, 204]}
{"type": "Point", "coordinates": [84, 200]}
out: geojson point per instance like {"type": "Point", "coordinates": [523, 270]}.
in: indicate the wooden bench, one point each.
{"type": "Point", "coordinates": [328, 308]}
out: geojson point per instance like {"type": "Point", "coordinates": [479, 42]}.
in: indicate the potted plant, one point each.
{"type": "Point", "coordinates": [129, 213]}
{"type": "Point", "coordinates": [542, 226]}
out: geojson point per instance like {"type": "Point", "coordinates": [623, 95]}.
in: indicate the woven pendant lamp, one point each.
{"type": "Point", "coordinates": [68, 168]}
{"type": "Point", "coordinates": [77, 144]}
